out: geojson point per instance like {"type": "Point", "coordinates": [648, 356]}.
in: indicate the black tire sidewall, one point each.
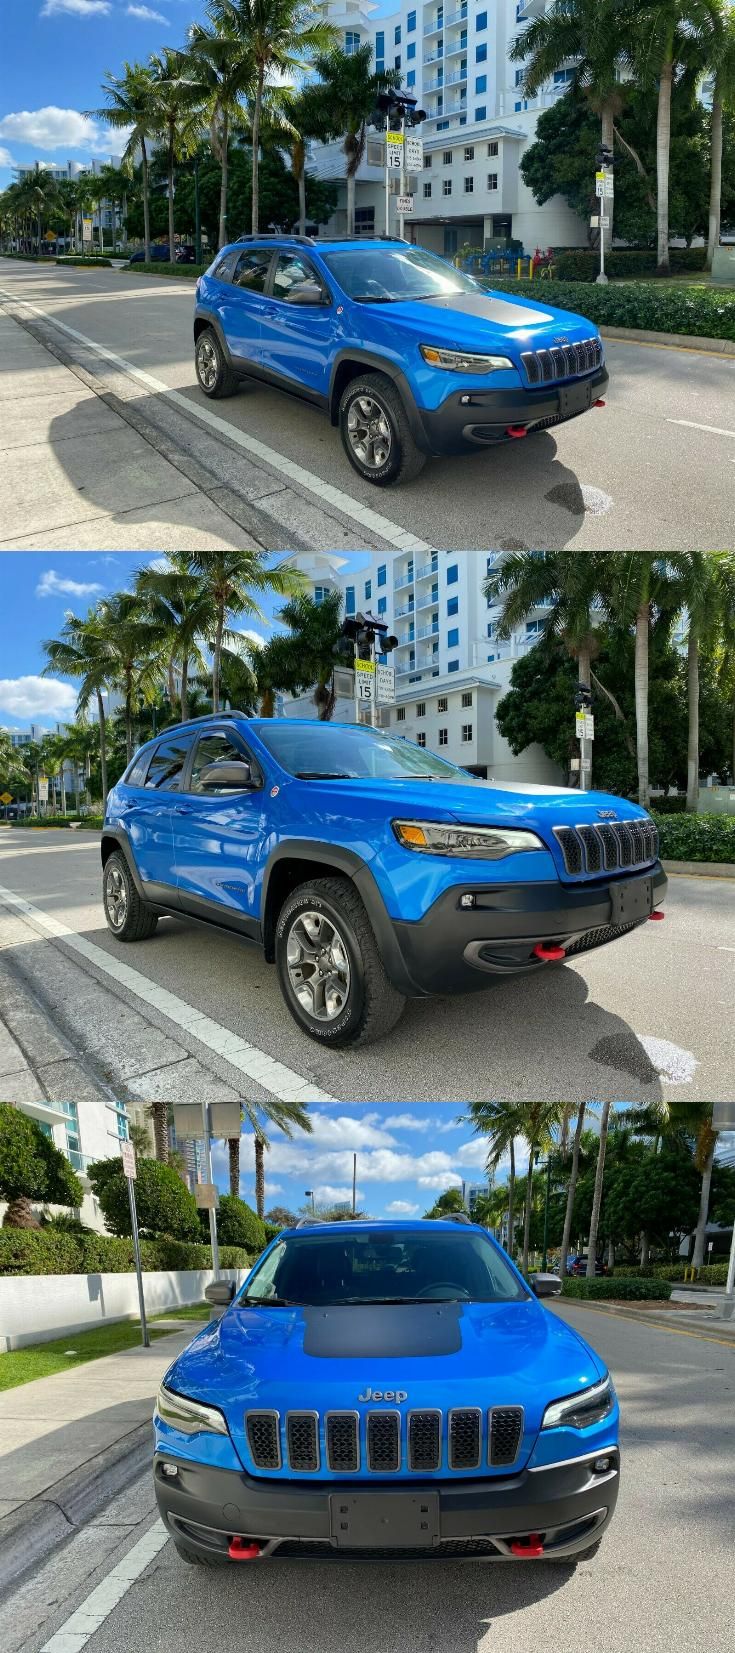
{"type": "Point", "coordinates": [118, 859]}
{"type": "Point", "coordinates": [209, 334]}
{"type": "Point", "coordinates": [392, 467]}
{"type": "Point", "coordinates": [346, 1027]}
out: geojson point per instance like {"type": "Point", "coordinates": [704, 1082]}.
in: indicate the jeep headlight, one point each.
{"type": "Point", "coordinates": [191, 1417]}
{"type": "Point", "coordinates": [462, 361]}
{"type": "Point", "coordinates": [579, 1411]}
{"type": "Point", "coordinates": [473, 843]}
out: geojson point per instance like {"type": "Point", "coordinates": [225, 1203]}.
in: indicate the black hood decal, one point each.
{"type": "Point", "coordinates": [353, 1331]}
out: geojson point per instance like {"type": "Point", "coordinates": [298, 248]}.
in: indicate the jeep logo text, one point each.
{"type": "Point", "coordinates": [384, 1394]}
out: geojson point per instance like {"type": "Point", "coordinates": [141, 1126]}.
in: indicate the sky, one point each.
{"type": "Point", "coordinates": [406, 1156]}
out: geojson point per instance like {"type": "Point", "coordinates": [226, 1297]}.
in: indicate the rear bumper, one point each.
{"type": "Point", "coordinates": [568, 1505]}
{"type": "Point", "coordinates": [480, 418]}
{"type": "Point", "coordinates": [454, 949]}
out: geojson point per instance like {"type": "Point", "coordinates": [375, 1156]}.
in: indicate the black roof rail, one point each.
{"type": "Point", "coordinates": [276, 235]}
{"type": "Point", "coordinates": [308, 1222]}
{"type": "Point", "coordinates": [209, 717]}
{"type": "Point", "coordinates": [460, 1217]}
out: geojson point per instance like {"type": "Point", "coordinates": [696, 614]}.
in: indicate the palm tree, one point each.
{"type": "Point", "coordinates": [538, 1122]}
{"type": "Point", "coordinates": [340, 104]}
{"type": "Point", "coordinates": [501, 1123]}
{"type": "Point", "coordinates": [221, 77]}
{"type": "Point", "coordinates": [597, 1196]}
{"type": "Point", "coordinates": [159, 1120]}
{"type": "Point", "coordinates": [645, 589]}
{"type": "Point", "coordinates": [173, 111]}
{"type": "Point", "coordinates": [40, 194]}
{"type": "Point", "coordinates": [722, 65]}
{"type": "Point", "coordinates": [279, 37]}
{"type": "Point", "coordinates": [664, 39]}
{"type": "Point", "coordinates": [130, 107]}
{"type": "Point", "coordinates": [588, 34]}
{"type": "Point", "coordinates": [693, 1119]}
{"type": "Point", "coordinates": [174, 601]}
{"type": "Point", "coordinates": [296, 113]}
{"type": "Point", "coordinates": [701, 595]}
{"type": "Point", "coordinates": [571, 1190]}
{"type": "Point", "coordinates": [81, 652]}
{"type": "Point", "coordinates": [134, 648]}
{"type": "Point", "coordinates": [286, 1116]}
{"type": "Point", "coordinates": [228, 580]}
{"type": "Point", "coordinates": [307, 651]}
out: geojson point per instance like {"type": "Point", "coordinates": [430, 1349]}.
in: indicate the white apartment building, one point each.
{"type": "Point", "coordinates": [106, 214]}
{"type": "Point", "coordinates": [453, 57]}
{"type": "Point", "coordinates": [84, 1131]}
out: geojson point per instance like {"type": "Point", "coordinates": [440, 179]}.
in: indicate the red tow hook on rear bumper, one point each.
{"type": "Point", "coordinates": [657, 914]}
{"type": "Point", "coordinates": [243, 1549]}
{"type": "Point", "coordinates": [548, 953]}
{"type": "Point", "coordinates": [530, 1546]}
{"type": "Point", "coordinates": [516, 430]}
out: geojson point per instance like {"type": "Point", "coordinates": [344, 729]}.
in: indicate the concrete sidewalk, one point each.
{"type": "Point", "coordinates": [69, 1442]}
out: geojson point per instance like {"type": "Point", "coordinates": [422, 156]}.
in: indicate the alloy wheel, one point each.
{"type": "Point", "coordinates": [116, 898]}
{"type": "Point", "coordinates": [318, 966]}
{"type": "Point", "coordinates": [207, 363]}
{"type": "Point", "coordinates": [369, 433]}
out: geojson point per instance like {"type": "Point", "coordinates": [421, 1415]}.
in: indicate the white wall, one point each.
{"type": "Point", "coordinates": [37, 1307]}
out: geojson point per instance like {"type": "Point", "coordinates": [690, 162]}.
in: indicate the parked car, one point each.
{"type": "Point", "coordinates": [578, 1265]}
{"type": "Point", "coordinates": [186, 255]}
{"type": "Point", "coordinates": [546, 1279]}
{"type": "Point", "coordinates": [159, 254]}
{"type": "Point", "coordinates": [430, 1406]}
{"type": "Point", "coordinates": [368, 869]}
{"type": "Point", "coordinates": [407, 356]}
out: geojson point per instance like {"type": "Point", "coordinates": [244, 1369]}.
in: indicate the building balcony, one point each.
{"type": "Point", "coordinates": [400, 613]}
{"type": "Point", "coordinates": [455, 48]}
{"type": "Point", "coordinates": [427, 569]}
{"type": "Point", "coordinates": [428, 600]}
{"type": "Point", "coordinates": [78, 1162]}
{"type": "Point", "coordinates": [428, 631]}
{"type": "Point", "coordinates": [46, 1113]}
{"type": "Point", "coordinates": [456, 17]}
{"type": "Point", "coordinates": [406, 641]}
{"type": "Point", "coordinates": [434, 57]}
{"type": "Point", "coordinates": [401, 583]}
{"type": "Point", "coordinates": [434, 28]}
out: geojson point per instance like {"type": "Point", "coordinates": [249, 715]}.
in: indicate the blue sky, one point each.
{"type": "Point", "coordinates": [37, 588]}
{"type": "Point", "coordinates": [406, 1156]}
{"type": "Point", "coordinates": [53, 57]}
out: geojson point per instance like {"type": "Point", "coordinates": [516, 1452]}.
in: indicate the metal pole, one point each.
{"type": "Point", "coordinates": [545, 1260]}
{"type": "Point", "coordinates": [197, 214]}
{"type": "Point", "coordinates": [729, 1303]}
{"type": "Point", "coordinates": [387, 176]}
{"type": "Point", "coordinates": [403, 172]}
{"type": "Point", "coordinates": [354, 1184]}
{"type": "Point", "coordinates": [210, 1179]}
{"type": "Point", "coordinates": [585, 775]}
{"type": "Point", "coordinates": [373, 702]}
{"type": "Point", "coordinates": [138, 1266]}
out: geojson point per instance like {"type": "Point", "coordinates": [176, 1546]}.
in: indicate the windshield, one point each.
{"type": "Point", "coordinates": [384, 275]}
{"type": "Point", "coordinates": [386, 1266]}
{"type": "Point", "coordinates": [343, 752]}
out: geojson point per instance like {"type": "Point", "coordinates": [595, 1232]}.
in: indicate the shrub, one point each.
{"type": "Point", "coordinates": [183, 271]}
{"type": "Point", "coordinates": [164, 1203]}
{"type": "Point", "coordinates": [51, 1251]}
{"type": "Point", "coordinates": [237, 1225]}
{"type": "Point", "coordinates": [632, 1289]}
{"type": "Point", "coordinates": [580, 265]}
{"type": "Point", "coordinates": [39, 1251]}
{"type": "Point", "coordinates": [670, 806]}
{"type": "Point", "coordinates": [706, 312]}
{"type": "Point", "coordinates": [32, 1167]}
{"type": "Point", "coordinates": [272, 1230]}
{"type": "Point", "coordinates": [713, 1274]}
{"type": "Point", "coordinates": [696, 837]}
{"type": "Point", "coordinates": [77, 258]}
{"type": "Point", "coordinates": [95, 822]}
{"type": "Point", "coordinates": [233, 1256]}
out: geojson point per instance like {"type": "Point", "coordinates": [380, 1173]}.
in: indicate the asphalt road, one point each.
{"type": "Point", "coordinates": [650, 471]}
{"type": "Point", "coordinates": [662, 1578]}
{"type": "Point", "coordinates": [651, 1012]}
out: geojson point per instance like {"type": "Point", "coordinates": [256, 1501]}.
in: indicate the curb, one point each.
{"type": "Point", "coordinates": [712, 1323]}
{"type": "Point", "coordinates": [49, 1520]}
{"type": "Point", "coordinates": [701, 869]}
{"type": "Point", "coordinates": [679, 341]}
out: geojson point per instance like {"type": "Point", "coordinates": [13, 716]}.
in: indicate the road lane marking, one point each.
{"type": "Point", "coordinates": [274, 1077]}
{"type": "Point", "coordinates": [86, 1620]}
{"type": "Point", "coordinates": [387, 530]}
{"type": "Point", "coordinates": [714, 430]}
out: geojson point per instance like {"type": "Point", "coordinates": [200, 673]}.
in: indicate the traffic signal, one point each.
{"type": "Point", "coordinates": [605, 157]}
{"type": "Point", "coordinates": [583, 698]}
{"type": "Point", "coordinates": [361, 633]}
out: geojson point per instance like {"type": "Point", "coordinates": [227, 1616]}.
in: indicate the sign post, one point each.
{"type": "Point", "coordinates": [604, 190]}
{"type": "Point", "coordinates": [393, 163]}
{"type": "Point", "coordinates": [130, 1170]}
{"type": "Point", "coordinates": [210, 1179]}
{"type": "Point", "coordinates": [365, 687]}
{"type": "Point", "coordinates": [585, 727]}
{"type": "Point", "coordinates": [723, 1119]}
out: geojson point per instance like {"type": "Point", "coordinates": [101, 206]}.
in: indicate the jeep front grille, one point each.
{"type": "Point", "coordinates": [424, 1440]}
{"type": "Point", "coordinates": [465, 1438]}
{"type": "Point", "coordinates": [302, 1440]}
{"type": "Point", "coordinates": [542, 367]}
{"type": "Point", "coordinates": [264, 1439]}
{"type": "Point", "coordinates": [592, 849]}
{"type": "Point", "coordinates": [383, 1442]}
{"type": "Point", "coordinates": [343, 1442]}
{"type": "Point", "coordinates": [506, 1430]}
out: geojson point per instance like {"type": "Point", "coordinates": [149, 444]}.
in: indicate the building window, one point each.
{"type": "Point", "coordinates": [320, 592]}
{"type": "Point", "coordinates": [481, 21]}
{"type": "Point", "coordinates": [447, 157]}
{"type": "Point", "coordinates": [411, 50]}
{"type": "Point", "coordinates": [469, 185]}
{"type": "Point", "coordinates": [365, 221]}
{"type": "Point", "coordinates": [492, 148]}
{"type": "Point", "coordinates": [467, 698]}
{"type": "Point", "coordinates": [411, 22]}
{"type": "Point", "coordinates": [382, 605]}
{"type": "Point", "coordinates": [463, 40]}
{"type": "Point", "coordinates": [441, 126]}
{"type": "Point", "coordinates": [453, 574]}
{"type": "Point", "coordinates": [453, 605]}
{"type": "Point", "coordinates": [350, 600]}
{"type": "Point", "coordinates": [421, 738]}
{"type": "Point", "coordinates": [427, 161]}
{"type": "Point", "coordinates": [397, 61]}
{"type": "Point", "coordinates": [397, 35]}
{"type": "Point", "coordinates": [481, 53]}
{"type": "Point", "coordinates": [466, 733]}
{"type": "Point", "coordinates": [481, 112]}
{"type": "Point", "coordinates": [446, 186]}
{"type": "Point", "coordinates": [421, 708]}
{"type": "Point", "coordinates": [411, 77]}
{"type": "Point", "coordinates": [491, 628]}
{"type": "Point", "coordinates": [443, 737]}
{"type": "Point", "coordinates": [469, 153]}
{"type": "Point", "coordinates": [519, 76]}
{"type": "Point", "coordinates": [368, 590]}
{"type": "Point", "coordinates": [380, 43]}
{"type": "Point", "coordinates": [442, 704]}
{"type": "Point", "coordinates": [427, 190]}
{"type": "Point", "coordinates": [562, 77]}
{"type": "Point", "coordinates": [481, 83]}
{"type": "Point", "coordinates": [381, 574]}
{"type": "Point", "coordinates": [401, 714]}
{"type": "Point", "coordinates": [453, 666]}
{"type": "Point", "coordinates": [492, 180]}
{"type": "Point", "coordinates": [534, 628]}
{"type": "Point", "coordinates": [352, 42]}
{"type": "Point", "coordinates": [453, 638]}
{"type": "Point", "coordinates": [518, 107]}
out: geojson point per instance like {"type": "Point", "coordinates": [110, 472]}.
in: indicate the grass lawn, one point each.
{"type": "Point", "coordinates": [41, 1359]}
{"type": "Point", "coordinates": [191, 1311]}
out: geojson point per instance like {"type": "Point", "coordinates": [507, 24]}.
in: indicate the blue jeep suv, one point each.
{"type": "Point", "coordinates": [369, 869]}
{"type": "Point", "coordinates": [386, 1390]}
{"type": "Point", "coordinates": [407, 355]}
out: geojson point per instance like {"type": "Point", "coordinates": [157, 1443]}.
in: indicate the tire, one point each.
{"type": "Point", "coordinates": [396, 457]}
{"type": "Point", "coordinates": [365, 1006]}
{"type": "Point", "coordinates": [137, 920]}
{"type": "Point", "coordinates": [209, 360]}
{"type": "Point", "coordinates": [192, 1559]}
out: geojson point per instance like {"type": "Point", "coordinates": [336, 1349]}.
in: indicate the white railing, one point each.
{"type": "Point", "coordinates": [427, 631]}
{"type": "Point", "coordinates": [400, 613]}
{"type": "Point", "coordinates": [428, 568]}
{"type": "Point", "coordinates": [405, 579]}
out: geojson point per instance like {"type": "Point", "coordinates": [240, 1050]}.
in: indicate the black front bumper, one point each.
{"type": "Point", "coordinates": [568, 1505]}
{"type": "Point", "coordinates": [455, 949]}
{"type": "Point", "coordinates": [480, 418]}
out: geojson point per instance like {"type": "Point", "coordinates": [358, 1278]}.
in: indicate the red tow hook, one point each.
{"type": "Point", "coordinates": [243, 1549]}
{"type": "Point", "coordinates": [530, 1546]}
{"type": "Point", "coordinates": [657, 915]}
{"type": "Point", "coordinates": [548, 954]}
{"type": "Point", "coordinates": [516, 430]}
{"type": "Point", "coordinates": [600, 403]}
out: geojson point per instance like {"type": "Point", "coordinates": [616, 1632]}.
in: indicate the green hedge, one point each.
{"type": "Point", "coordinates": [710, 1274]}
{"type": "Point", "coordinates": [95, 821]}
{"type": "Point", "coordinates": [49, 1251]}
{"type": "Point", "coordinates": [696, 837]}
{"type": "Point", "coordinates": [580, 265]}
{"type": "Point", "coordinates": [670, 806]}
{"type": "Point", "coordinates": [702, 311]}
{"type": "Point", "coordinates": [29, 258]}
{"type": "Point", "coordinates": [183, 271]}
{"type": "Point", "coordinates": [632, 1289]}
{"type": "Point", "coordinates": [94, 263]}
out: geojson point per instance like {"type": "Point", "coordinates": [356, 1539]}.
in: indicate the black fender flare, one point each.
{"type": "Point", "coordinates": [212, 321]}
{"type": "Point", "coordinates": [120, 837]}
{"type": "Point", "coordinates": [379, 364]}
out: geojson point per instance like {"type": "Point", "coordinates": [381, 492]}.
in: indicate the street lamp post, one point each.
{"type": "Point", "coordinates": [309, 1192]}
{"type": "Point", "coordinates": [545, 1258]}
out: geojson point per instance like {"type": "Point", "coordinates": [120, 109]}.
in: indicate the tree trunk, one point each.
{"type": "Point", "coordinates": [302, 202]}
{"type": "Point", "coordinates": [267, 703]}
{"type": "Point", "coordinates": [350, 202]}
{"type": "Point", "coordinates": [217, 659]}
{"type": "Point", "coordinates": [597, 1197]}
{"type": "Point", "coordinates": [642, 624]}
{"type": "Point", "coordinates": [259, 1176]}
{"type": "Point", "coordinates": [159, 1120]}
{"type": "Point", "coordinates": [511, 1198]}
{"type": "Point", "coordinates": [645, 1248]}
{"type": "Point", "coordinates": [184, 689]}
{"type": "Point", "coordinates": [256, 141]}
{"type": "Point", "coordinates": [20, 1214]}
{"type": "Point", "coordinates": [608, 140]}
{"type": "Point", "coordinates": [171, 229]}
{"type": "Point", "coordinates": [527, 1211]}
{"type": "Point", "coordinates": [715, 179]}
{"type": "Point", "coordinates": [693, 705]}
{"type": "Point", "coordinates": [700, 1237]}
{"type": "Point", "coordinates": [171, 674]}
{"type": "Point", "coordinates": [128, 716]}
{"type": "Point", "coordinates": [610, 1256]}
{"type": "Point", "coordinates": [233, 1149]}
{"type": "Point", "coordinates": [571, 1191]}
{"type": "Point", "coordinates": [663, 140]}
{"type": "Point", "coordinates": [146, 203]}
{"type": "Point", "coordinates": [223, 180]}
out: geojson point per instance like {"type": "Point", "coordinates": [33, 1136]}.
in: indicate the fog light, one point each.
{"type": "Point", "coordinates": [601, 1465]}
{"type": "Point", "coordinates": [464, 401]}
{"type": "Point", "coordinates": [467, 900]}
{"type": "Point", "coordinates": [169, 1470]}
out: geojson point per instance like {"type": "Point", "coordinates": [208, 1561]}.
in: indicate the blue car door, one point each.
{"type": "Point", "coordinates": [297, 337]}
{"type": "Point", "coordinates": [219, 834]}
{"type": "Point", "coordinates": [241, 305]}
{"type": "Point", "coordinates": [147, 816]}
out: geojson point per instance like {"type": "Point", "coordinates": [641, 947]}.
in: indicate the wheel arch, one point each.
{"type": "Point", "coordinates": [298, 860]}
{"type": "Point", "coordinates": [349, 364]}
{"type": "Point", "coordinates": [202, 320]}
{"type": "Point", "coordinates": [115, 838]}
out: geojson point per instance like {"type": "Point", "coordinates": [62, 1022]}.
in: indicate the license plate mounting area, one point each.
{"type": "Point", "coordinates": [384, 1520]}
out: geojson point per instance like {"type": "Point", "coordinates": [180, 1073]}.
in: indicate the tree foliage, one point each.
{"type": "Point", "coordinates": [237, 1224]}
{"type": "Point", "coordinates": [163, 1201]}
{"type": "Point", "coordinates": [32, 1167]}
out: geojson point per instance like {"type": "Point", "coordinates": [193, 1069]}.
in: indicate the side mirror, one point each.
{"type": "Point", "coordinates": [231, 777]}
{"type": "Point", "coordinates": [220, 1293]}
{"type": "Point", "coordinates": [307, 292]}
{"type": "Point", "coordinates": [545, 1288]}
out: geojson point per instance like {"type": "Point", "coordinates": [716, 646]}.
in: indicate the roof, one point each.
{"type": "Point", "coordinates": [369, 1224]}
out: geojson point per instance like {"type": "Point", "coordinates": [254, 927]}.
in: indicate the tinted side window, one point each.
{"type": "Point", "coordinates": [292, 270]}
{"type": "Point", "coordinates": [216, 748]}
{"type": "Point", "coordinates": [225, 269]}
{"type": "Point", "coordinates": [136, 773]}
{"type": "Point", "coordinates": [167, 763]}
{"type": "Point", "coordinates": [252, 268]}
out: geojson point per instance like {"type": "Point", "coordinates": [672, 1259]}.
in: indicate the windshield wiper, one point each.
{"type": "Point", "coordinates": [374, 298]}
{"type": "Point", "coordinates": [271, 1302]}
{"type": "Point", "coordinates": [324, 775]}
{"type": "Point", "coordinates": [377, 1302]}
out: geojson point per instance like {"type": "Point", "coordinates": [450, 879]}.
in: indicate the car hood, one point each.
{"type": "Point", "coordinates": [486, 321]}
{"type": "Point", "coordinates": [477, 801]}
{"type": "Point", "coordinates": [436, 1355]}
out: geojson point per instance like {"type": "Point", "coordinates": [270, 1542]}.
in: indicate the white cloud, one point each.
{"type": "Point", "coordinates": [6, 158]}
{"type": "Point", "coordinates": [379, 1165]}
{"type": "Point", "coordinates": [67, 129]}
{"type": "Point", "coordinates": [407, 1122]}
{"type": "Point", "coordinates": [474, 1152]}
{"type": "Point", "coordinates": [402, 1208]}
{"type": "Point", "coordinates": [253, 637]}
{"type": "Point", "coordinates": [328, 1194]}
{"type": "Point", "coordinates": [76, 8]}
{"type": "Point", "coordinates": [34, 697]}
{"type": "Point", "coordinates": [341, 1131]}
{"type": "Point", "coordinates": [448, 1180]}
{"type": "Point", "coordinates": [147, 15]}
{"type": "Point", "coordinates": [51, 585]}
